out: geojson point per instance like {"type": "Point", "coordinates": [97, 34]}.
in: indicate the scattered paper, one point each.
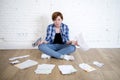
{"type": "Point", "coordinates": [44, 68]}
{"type": "Point", "coordinates": [67, 69]}
{"type": "Point", "coordinates": [45, 56]}
{"type": "Point", "coordinates": [81, 42]}
{"type": "Point", "coordinates": [86, 67]}
{"type": "Point", "coordinates": [15, 62]}
{"type": "Point", "coordinates": [26, 64]}
{"type": "Point", "coordinates": [19, 57]}
{"type": "Point", "coordinates": [98, 63]}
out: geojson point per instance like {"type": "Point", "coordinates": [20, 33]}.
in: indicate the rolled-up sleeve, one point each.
{"type": "Point", "coordinates": [48, 35]}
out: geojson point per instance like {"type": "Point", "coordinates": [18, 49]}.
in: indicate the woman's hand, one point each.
{"type": "Point", "coordinates": [41, 42]}
{"type": "Point", "coordinates": [73, 42]}
{"type": "Point", "coordinates": [69, 42]}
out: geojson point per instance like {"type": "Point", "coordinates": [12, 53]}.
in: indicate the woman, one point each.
{"type": "Point", "coordinates": [57, 43]}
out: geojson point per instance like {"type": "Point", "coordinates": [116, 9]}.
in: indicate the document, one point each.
{"type": "Point", "coordinates": [86, 67]}
{"type": "Point", "coordinates": [44, 68]}
{"type": "Point", "coordinates": [98, 63]}
{"type": "Point", "coordinates": [15, 62]}
{"type": "Point", "coordinates": [19, 57]}
{"type": "Point", "coordinates": [82, 44]}
{"type": "Point", "coordinates": [67, 69]}
{"type": "Point", "coordinates": [26, 64]}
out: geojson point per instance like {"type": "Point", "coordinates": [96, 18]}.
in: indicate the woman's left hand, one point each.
{"type": "Point", "coordinates": [75, 43]}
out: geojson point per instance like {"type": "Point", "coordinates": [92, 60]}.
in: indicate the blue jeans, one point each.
{"type": "Point", "coordinates": [56, 50]}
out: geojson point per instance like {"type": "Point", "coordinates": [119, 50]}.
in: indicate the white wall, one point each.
{"type": "Point", "coordinates": [23, 21]}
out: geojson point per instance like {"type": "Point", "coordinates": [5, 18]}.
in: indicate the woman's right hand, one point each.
{"type": "Point", "coordinates": [41, 42]}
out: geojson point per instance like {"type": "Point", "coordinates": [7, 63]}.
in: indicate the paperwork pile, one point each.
{"type": "Point", "coordinates": [26, 64]}
{"type": "Point", "coordinates": [82, 44]}
{"type": "Point", "coordinates": [86, 67]}
{"type": "Point", "coordinates": [67, 69]}
{"type": "Point", "coordinates": [15, 62]}
{"type": "Point", "coordinates": [44, 68]}
{"type": "Point", "coordinates": [19, 57]}
{"type": "Point", "coordinates": [47, 68]}
{"type": "Point", "coordinates": [98, 63]}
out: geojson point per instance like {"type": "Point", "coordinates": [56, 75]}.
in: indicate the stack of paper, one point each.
{"type": "Point", "coordinates": [44, 69]}
{"type": "Point", "coordinates": [86, 67]}
{"type": "Point", "coordinates": [26, 64]}
{"type": "Point", "coordinates": [67, 69]}
{"type": "Point", "coordinates": [81, 42]}
{"type": "Point", "coordinates": [19, 57]}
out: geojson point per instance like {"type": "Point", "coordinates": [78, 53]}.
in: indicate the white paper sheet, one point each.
{"type": "Point", "coordinates": [19, 57]}
{"type": "Point", "coordinates": [98, 63]}
{"type": "Point", "coordinates": [82, 44]}
{"type": "Point", "coordinates": [15, 62]}
{"type": "Point", "coordinates": [44, 68]}
{"type": "Point", "coordinates": [26, 64]}
{"type": "Point", "coordinates": [86, 67]}
{"type": "Point", "coordinates": [67, 69]}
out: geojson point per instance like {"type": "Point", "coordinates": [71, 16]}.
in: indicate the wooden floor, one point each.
{"type": "Point", "coordinates": [110, 71]}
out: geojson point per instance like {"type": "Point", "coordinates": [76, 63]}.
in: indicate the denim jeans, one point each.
{"type": "Point", "coordinates": [56, 50]}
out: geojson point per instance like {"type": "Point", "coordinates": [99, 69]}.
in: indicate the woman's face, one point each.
{"type": "Point", "coordinates": [58, 21]}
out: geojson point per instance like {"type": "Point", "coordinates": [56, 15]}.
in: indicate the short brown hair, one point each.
{"type": "Point", "coordinates": [56, 14]}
